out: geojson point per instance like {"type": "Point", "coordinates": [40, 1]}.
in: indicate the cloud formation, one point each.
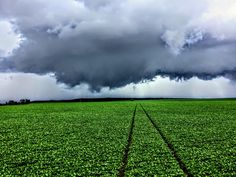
{"type": "Point", "coordinates": [9, 39]}
{"type": "Point", "coordinates": [44, 87]}
{"type": "Point", "coordinates": [114, 43]}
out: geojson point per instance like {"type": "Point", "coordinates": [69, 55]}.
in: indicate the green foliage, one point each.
{"type": "Point", "coordinates": [68, 139]}
{"type": "Point", "coordinates": [88, 139]}
{"type": "Point", "coordinates": [149, 155]}
{"type": "Point", "coordinates": [202, 132]}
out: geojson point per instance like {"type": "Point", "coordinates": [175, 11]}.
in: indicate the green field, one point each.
{"type": "Point", "coordinates": [131, 138]}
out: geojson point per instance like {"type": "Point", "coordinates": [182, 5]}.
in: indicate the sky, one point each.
{"type": "Point", "coordinates": [121, 48]}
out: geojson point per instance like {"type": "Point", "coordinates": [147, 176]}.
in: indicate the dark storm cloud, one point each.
{"type": "Point", "coordinates": [114, 43]}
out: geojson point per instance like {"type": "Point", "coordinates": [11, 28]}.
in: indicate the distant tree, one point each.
{"type": "Point", "coordinates": [11, 102]}
{"type": "Point", "coordinates": [24, 101]}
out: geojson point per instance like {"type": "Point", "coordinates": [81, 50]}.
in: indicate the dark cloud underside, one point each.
{"type": "Point", "coordinates": [114, 43]}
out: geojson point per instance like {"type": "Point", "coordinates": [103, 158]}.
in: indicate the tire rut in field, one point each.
{"type": "Point", "coordinates": [169, 145]}
{"type": "Point", "coordinates": [127, 148]}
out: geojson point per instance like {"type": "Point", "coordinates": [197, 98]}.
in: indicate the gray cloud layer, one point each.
{"type": "Point", "coordinates": [114, 43]}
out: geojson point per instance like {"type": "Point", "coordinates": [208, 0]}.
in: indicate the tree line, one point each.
{"type": "Point", "coordinates": [13, 102]}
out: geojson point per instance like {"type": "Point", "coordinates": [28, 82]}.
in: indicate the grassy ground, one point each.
{"type": "Point", "coordinates": [179, 138]}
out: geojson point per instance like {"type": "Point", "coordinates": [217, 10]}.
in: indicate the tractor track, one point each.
{"type": "Point", "coordinates": [127, 147]}
{"type": "Point", "coordinates": [169, 145]}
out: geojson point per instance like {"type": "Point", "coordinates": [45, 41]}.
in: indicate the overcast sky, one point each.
{"type": "Point", "coordinates": [61, 49]}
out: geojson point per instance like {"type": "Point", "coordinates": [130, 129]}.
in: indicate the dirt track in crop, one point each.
{"type": "Point", "coordinates": [169, 145]}
{"type": "Point", "coordinates": [127, 148]}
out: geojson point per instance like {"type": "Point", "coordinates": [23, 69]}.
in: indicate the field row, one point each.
{"type": "Point", "coordinates": [166, 138]}
{"type": "Point", "coordinates": [63, 139]}
{"type": "Point", "coordinates": [202, 132]}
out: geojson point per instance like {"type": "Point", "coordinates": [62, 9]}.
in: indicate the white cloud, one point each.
{"type": "Point", "coordinates": [9, 38]}
{"type": "Point", "coordinates": [16, 86]}
{"type": "Point", "coordinates": [163, 87]}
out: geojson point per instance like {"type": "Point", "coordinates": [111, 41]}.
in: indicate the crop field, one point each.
{"type": "Point", "coordinates": [122, 138]}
